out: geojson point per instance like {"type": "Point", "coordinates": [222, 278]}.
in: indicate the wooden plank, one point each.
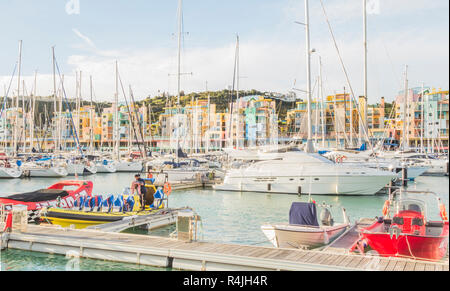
{"type": "Point", "coordinates": [334, 260]}
{"type": "Point", "coordinates": [305, 258]}
{"type": "Point", "coordinates": [391, 265]}
{"type": "Point", "coordinates": [317, 259]}
{"type": "Point", "coordinates": [347, 260]}
{"type": "Point", "coordinates": [400, 266]}
{"type": "Point", "coordinates": [364, 263]}
{"type": "Point", "coordinates": [254, 252]}
{"type": "Point", "coordinates": [280, 255]}
{"type": "Point", "coordinates": [410, 266]}
{"type": "Point", "coordinates": [296, 255]}
{"type": "Point", "coordinates": [355, 262]}
{"type": "Point", "coordinates": [430, 267]}
{"type": "Point", "coordinates": [240, 251]}
{"type": "Point", "coordinates": [419, 267]}
{"type": "Point", "coordinates": [384, 262]}
{"type": "Point", "coordinates": [269, 254]}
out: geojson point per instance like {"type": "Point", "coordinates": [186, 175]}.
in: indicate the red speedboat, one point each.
{"type": "Point", "coordinates": [63, 193]}
{"type": "Point", "coordinates": [409, 233]}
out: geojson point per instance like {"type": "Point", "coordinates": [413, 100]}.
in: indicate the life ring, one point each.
{"type": "Point", "coordinates": [443, 212]}
{"type": "Point", "coordinates": [167, 188]}
{"type": "Point", "coordinates": [386, 208]}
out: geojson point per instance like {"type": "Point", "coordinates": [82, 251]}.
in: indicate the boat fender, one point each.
{"type": "Point", "coordinates": [443, 212]}
{"type": "Point", "coordinates": [387, 203]}
{"type": "Point", "coordinates": [167, 188]}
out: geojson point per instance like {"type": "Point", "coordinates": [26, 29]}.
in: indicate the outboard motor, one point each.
{"type": "Point", "coordinates": [326, 218]}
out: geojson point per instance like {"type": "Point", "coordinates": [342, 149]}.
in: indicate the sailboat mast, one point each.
{"type": "Point", "coordinates": [322, 101]}
{"type": "Point", "coordinates": [33, 109]}
{"type": "Point", "coordinates": [15, 150]}
{"type": "Point", "coordinates": [116, 117]}
{"type": "Point", "coordinates": [208, 141]}
{"type": "Point", "coordinates": [237, 95]}
{"type": "Point", "coordinates": [180, 11]}
{"type": "Point", "coordinates": [405, 118]}
{"type": "Point", "coordinates": [422, 131]}
{"type": "Point", "coordinates": [309, 144]}
{"type": "Point", "coordinates": [58, 123]}
{"type": "Point", "coordinates": [91, 123]}
{"type": "Point", "coordinates": [363, 125]}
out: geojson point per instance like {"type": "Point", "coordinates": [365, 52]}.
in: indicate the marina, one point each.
{"type": "Point", "coordinates": [104, 170]}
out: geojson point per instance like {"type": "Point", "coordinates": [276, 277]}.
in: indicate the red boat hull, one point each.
{"type": "Point", "coordinates": [67, 201]}
{"type": "Point", "coordinates": [408, 245]}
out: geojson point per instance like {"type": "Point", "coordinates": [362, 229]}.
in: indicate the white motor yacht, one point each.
{"type": "Point", "coordinates": [302, 173]}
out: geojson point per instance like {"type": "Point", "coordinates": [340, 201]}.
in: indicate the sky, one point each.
{"type": "Point", "coordinates": [89, 36]}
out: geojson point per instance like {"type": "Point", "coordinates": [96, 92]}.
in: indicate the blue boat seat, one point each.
{"type": "Point", "coordinates": [107, 204]}
{"type": "Point", "coordinates": [129, 204]}
{"type": "Point", "coordinates": [79, 203]}
{"type": "Point", "coordinates": [118, 204]}
{"type": "Point", "coordinates": [98, 202]}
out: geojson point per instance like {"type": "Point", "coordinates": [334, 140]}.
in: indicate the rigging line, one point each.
{"type": "Point", "coordinates": [366, 134]}
{"type": "Point", "coordinates": [129, 112]}
{"type": "Point", "coordinates": [139, 120]}
{"type": "Point", "coordinates": [74, 130]}
{"type": "Point", "coordinates": [394, 72]}
{"type": "Point", "coordinates": [5, 99]}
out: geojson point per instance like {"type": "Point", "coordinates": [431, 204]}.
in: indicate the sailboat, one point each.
{"type": "Point", "coordinates": [122, 165]}
{"type": "Point", "coordinates": [8, 170]}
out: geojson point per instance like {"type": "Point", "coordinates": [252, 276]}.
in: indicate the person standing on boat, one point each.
{"type": "Point", "coordinates": [139, 186]}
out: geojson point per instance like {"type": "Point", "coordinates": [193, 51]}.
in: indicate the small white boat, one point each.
{"type": "Point", "coordinates": [303, 230]}
{"type": "Point", "coordinates": [80, 168]}
{"type": "Point", "coordinates": [7, 170]}
{"type": "Point", "coordinates": [45, 169]}
{"type": "Point", "coordinates": [129, 166]}
{"type": "Point", "coordinates": [10, 173]}
{"type": "Point", "coordinates": [106, 166]}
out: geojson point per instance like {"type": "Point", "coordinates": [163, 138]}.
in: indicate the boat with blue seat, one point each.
{"type": "Point", "coordinates": [95, 210]}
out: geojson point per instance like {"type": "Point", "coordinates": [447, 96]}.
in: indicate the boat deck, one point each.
{"type": "Point", "coordinates": [196, 256]}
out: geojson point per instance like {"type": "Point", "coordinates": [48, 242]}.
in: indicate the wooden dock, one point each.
{"type": "Point", "coordinates": [150, 222]}
{"type": "Point", "coordinates": [196, 256]}
{"type": "Point", "coordinates": [347, 240]}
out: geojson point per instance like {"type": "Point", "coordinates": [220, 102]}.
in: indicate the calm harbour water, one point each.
{"type": "Point", "coordinates": [228, 217]}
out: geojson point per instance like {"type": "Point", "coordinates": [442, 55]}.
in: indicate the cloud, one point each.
{"type": "Point", "coordinates": [86, 39]}
{"type": "Point", "coordinates": [272, 64]}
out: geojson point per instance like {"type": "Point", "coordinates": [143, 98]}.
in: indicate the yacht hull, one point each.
{"type": "Point", "coordinates": [108, 168]}
{"type": "Point", "coordinates": [123, 166]}
{"type": "Point", "coordinates": [54, 172]}
{"type": "Point", "coordinates": [320, 185]}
